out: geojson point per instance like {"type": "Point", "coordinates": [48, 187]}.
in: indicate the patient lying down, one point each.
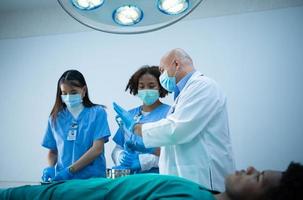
{"type": "Point", "coordinates": [247, 184]}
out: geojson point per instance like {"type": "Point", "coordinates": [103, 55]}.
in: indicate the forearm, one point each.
{"type": "Point", "coordinates": [160, 133]}
{"type": "Point", "coordinates": [89, 156]}
{"type": "Point", "coordinates": [138, 129]}
{"type": "Point", "coordinates": [157, 152]}
{"type": "Point", "coordinates": [52, 157]}
{"type": "Point", "coordinates": [172, 131]}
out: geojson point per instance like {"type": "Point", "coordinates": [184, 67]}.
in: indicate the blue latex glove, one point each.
{"type": "Point", "coordinates": [121, 167]}
{"type": "Point", "coordinates": [63, 175]}
{"type": "Point", "coordinates": [127, 133]}
{"type": "Point", "coordinates": [121, 155]}
{"type": "Point", "coordinates": [125, 116]}
{"type": "Point", "coordinates": [135, 143]}
{"type": "Point", "coordinates": [48, 174]}
{"type": "Point", "coordinates": [131, 160]}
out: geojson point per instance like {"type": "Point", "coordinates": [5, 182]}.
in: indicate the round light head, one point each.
{"type": "Point", "coordinates": [173, 7]}
{"type": "Point", "coordinates": [127, 15]}
{"type": "Point", "coordinates": [87, 4]}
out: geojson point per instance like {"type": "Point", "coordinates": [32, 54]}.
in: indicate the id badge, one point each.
{"type": "Point", "coordinates": [72, 134]}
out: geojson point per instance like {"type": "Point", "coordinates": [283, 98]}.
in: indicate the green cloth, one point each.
{"type": "Point", "coordinates": [141, 186]}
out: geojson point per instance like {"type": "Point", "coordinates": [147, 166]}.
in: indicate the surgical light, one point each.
{"type": "Point", "coordinates": [128, 16]}
{"type": "Point", "coordinates": [173, 7]}
{"type": "Point", "coordinates": [87, 4]}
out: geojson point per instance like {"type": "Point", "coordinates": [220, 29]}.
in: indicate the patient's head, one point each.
{"type": "Point", "coordinates": [290, 186]}
{"type": "Point", "coordinates": [251, 184]}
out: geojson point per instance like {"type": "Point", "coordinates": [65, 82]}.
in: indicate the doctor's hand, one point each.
{"type": "Point", "coordinates": [48, 174]}
{"type": "Point", "coordinates": [135, 143]}
{"type": "Point", "coordinates": [131, 161]}
{"type": "Point", "coordinates": [125, 116]}
{"type": "Point", "coordinates": [65, 174]}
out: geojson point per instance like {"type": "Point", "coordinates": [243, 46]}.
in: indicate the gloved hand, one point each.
{"type": "Point", "coordinates": [119, 121]}
{"type": "Point", "coordinates": [65, 174]}
{"type": "Point", "coordinates": [125, 116]}
{"type": "Point", "coordinates": [131, 160]}
{"type": "Point", "coordinates": [127, 134]}
{"type": "Point", "coordinates": [135, 143]}
{"type": "Point", "coordinates": [48, 174]}
{"type": "Point", "coordinates": [121, 156]}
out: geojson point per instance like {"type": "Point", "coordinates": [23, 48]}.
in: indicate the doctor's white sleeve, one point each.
{"type": "Point", "coordinates": [116, 154]}
{"type": "Point", "coordinates": [197, 105]}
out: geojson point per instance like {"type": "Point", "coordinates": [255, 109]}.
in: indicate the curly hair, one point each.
{"type": "Point", "coordinates": [291, 184]}
{"type": "Point", "coordinates": [133, 82]}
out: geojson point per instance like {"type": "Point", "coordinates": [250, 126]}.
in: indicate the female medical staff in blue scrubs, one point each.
{"type": "Point", "coordinates": [76, 132]}
{"type": "Point", "coordinates": [145, 84]}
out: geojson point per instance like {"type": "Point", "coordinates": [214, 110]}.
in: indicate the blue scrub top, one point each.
{"type": "Point", "coordinates": [91, 125]}
{"type": "Point", "coordinates": [157, 114]}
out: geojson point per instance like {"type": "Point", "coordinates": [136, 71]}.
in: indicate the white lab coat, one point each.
{"type": "Point", "coordinates": [194, 138]}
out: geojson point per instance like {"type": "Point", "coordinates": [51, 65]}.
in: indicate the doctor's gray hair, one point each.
{"type": "Point", "coordinates": [181, 55]}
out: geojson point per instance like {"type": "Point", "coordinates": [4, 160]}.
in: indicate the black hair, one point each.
{"type": "Point", "coordinates": [291, 184]}
{"type": "Point", "coordinates": [133, 82]}
{"type": "Point", "coordinates": [73, 78]}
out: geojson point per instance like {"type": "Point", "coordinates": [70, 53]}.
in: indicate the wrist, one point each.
{"type": "Point", "coordinates": [137, 129]}
{"type": "Point", "coordinates": [71, 170]}
{"type": "Point", "coordinates": [132, 127]}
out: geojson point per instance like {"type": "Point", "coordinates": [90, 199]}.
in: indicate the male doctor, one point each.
{"type": "Point", "coordinates": [194, 137]}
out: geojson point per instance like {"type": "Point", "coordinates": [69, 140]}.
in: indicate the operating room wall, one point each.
{"type": "Point", "coordinates": [255, 57]}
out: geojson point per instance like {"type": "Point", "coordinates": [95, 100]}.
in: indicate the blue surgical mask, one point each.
{"type": "Point", "coordinates": [169, 83]}
{"type": "Point", "coordinates": [72, 100]}
{"type": "Point", "coordinates": [148, 97]}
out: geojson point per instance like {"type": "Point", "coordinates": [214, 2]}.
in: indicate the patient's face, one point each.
{"type": "Point", "coordinates": [250, 183]}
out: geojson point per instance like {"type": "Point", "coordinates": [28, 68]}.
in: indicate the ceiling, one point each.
{"type": "Point", "coordinates": [236, 6]}
{"type": "Point", "coordinates": [18, 18]}
{"type": "Point", "coordinates": [16, 5]}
